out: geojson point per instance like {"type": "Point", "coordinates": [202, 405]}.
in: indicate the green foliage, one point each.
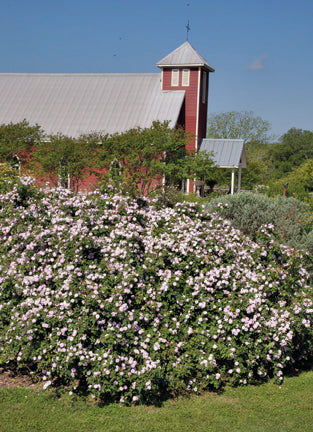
{"type": "Point", "coordinates": [22, 190]}
{"type": "Point", "coordinates": [8, 177]}
{"type": "Point", "coordinates": [65, 160]}
{"type": "Point", "coordinates": [134, 162]}
{"type": "Point", "coordinates": [171, 196]}
{"type": "Point", "coordinates": [299, 181]}
{"type": "Point", "coordinates": [258, 171]}
{"type": "Point", "coordinates": [309, 243]}
{"type": "Point", "coordinates": [147, 156]}
{"type": "Point", "coordinates": [17, 138]}
{"type": "Point", "coordinates": [267, 162]}
{"type": "Point", "coordinates": [249, 211]}
{"type": "Point", "coordinates": [168, 197]}
{"type": "Point", "coordinates": [292, 219]}
{"type": "Point", "coordinates": [140, 153]}
{"type": "Point", "coordinates": [238, 125]}
{"type": "Point", "coordinates": [295, 148]}
{"type": "Point", "coordinates": [22, 186]}
{"type": "Point", "coordinates": [254, 130]}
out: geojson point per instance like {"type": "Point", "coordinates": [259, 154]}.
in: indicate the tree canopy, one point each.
{"type": "Point", "coordinates": [148, 157]}
{"type": "Point", "coordinates": [255, 132]}
{"type": "Point", "coordinates": [137, 161]}
{"type": "Point", "coordinates": [294, 148]}
{"type": "Point", "coordinates": [66, 161]}
{"type": "Point", "coordinates": [238, 125]}
{"type": "Point", "coordinates": [17, 137]}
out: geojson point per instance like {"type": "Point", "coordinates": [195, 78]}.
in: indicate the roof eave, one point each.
{"type": "Point", "coordinates": [204, 66]}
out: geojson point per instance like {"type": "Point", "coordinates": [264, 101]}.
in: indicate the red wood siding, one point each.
{"type": "Point", "coordinates": [191, 105]}
{"type": "Point", "coordinates": [190, 99]}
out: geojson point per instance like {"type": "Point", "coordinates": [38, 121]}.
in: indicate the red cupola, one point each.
{"type": "Point", "coordinates": [184, 69]}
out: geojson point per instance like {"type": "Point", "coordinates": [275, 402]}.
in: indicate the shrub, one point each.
{"type": "Point", "coordinates": [171, 196]}
{"type": "Point", "coordinates": [248, 212]}
{"type": "Point", "coordinates": [8, 177]}
{"type": "Point", "coordinates": [125, 302]}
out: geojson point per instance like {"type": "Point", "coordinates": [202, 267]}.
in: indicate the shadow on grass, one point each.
{"type": "Point", "coordinates": [25, 377]}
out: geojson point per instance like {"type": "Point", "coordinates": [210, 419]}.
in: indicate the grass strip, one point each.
{"type": "Point", "coordinates": [263, 408]}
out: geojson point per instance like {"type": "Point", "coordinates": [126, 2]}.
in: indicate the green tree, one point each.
{"type": "Point", "coordinates": [238, 125]}
{"type": "Point", "coordinates": [254, 131]}
{"type": "Point", "coordinates": [139, 160]}
{"type": "Point", "coordinates": [259, 165]}
{"type": "Point", "coordinates": [298, 183]}
{"type": "Point", "coordinates": [66, 161]}
{"type": "Point", "coordinates": [8, 177]}
{"type": "Point", "coordinates": [293, 149]}
{"type": "Point", "coordinates": [17, 140]}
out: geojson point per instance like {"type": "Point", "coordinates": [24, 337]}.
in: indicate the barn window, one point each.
{"type": "Point", "coordinates": [184, 186]}
{"type": "Point", "coordinates": [64, 178]}
{"type": "Point", "coordinates": [175, 77]}
{"type": "Point", "coordinates": [115, 172]}
{"type": "Point", "coordinates": [16, 163]}
{"type": "Point", "coordinates": [186, 78]}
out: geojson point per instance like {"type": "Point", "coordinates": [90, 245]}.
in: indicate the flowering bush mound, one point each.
{"type": "Point", "coordinates": [125, 302]}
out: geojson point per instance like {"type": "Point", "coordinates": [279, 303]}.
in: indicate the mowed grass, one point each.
{"type": "Point", "coordinates": [267, 407]}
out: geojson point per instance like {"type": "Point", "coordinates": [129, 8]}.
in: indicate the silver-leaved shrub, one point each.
{"type": "Point", "coordinates": [109, 297]}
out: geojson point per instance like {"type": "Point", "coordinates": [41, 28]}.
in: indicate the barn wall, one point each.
{"type": "Point", "coordinates": [191, 99]}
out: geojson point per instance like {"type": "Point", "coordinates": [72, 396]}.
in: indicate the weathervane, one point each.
{"type": "Point", "coordinates": [188, 29]}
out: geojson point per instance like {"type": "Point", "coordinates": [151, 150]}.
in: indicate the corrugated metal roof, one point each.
{"type": "Point", "coordinates": [184, 55]}
{"type": "Point", "coordinates": [74, 104]}
{"type": "Point", "coordinates": [227, 153]}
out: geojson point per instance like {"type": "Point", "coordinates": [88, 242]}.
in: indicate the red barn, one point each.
{"type": "Point", "coordinates": [76, 104]}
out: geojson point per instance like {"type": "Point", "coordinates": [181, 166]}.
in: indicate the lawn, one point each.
{"type": "Point", "coordinates": [267, 407]}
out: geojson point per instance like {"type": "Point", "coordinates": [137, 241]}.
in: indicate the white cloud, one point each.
{"type": "Point", "coordinates": [257, 64]}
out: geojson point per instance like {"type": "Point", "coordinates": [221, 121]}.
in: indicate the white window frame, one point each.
{"type": "Point", "coordinates": [16, 163]}
{"type": "Point", "coordinates": [64, 177]}
{"type": "Point", "coordinates": [115, 165]}
{"type": "Point", "coordinates": [175, 78]}
{"type": "Point", "coordinates": [185, 78]}
{"type": "Point", "coordinates": [185, 186]}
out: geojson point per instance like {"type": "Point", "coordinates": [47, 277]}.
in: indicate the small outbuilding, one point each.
{"type": "Point", "coordinates": [227, 153]}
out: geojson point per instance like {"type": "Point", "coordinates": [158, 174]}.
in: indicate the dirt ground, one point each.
{"type": "Point", "coordinates": [10, 378]}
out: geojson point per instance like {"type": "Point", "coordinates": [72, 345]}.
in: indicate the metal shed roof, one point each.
{"type": "Point", "coordinates": [75, 104]}
{"type": "Point", "coordinates": [184, 55]}
{"type": "Point", "coordinates": [227, 153]}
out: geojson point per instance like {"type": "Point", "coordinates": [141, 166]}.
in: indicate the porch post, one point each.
{"type": "Point", "coordinates": [232, 181]}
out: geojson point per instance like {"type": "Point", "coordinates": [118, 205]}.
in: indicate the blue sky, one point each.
{"type": "Point", "coordinates": [261, 50]}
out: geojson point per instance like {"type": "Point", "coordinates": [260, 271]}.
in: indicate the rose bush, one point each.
{"type": "Point", "coordinates": [126, 302]}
